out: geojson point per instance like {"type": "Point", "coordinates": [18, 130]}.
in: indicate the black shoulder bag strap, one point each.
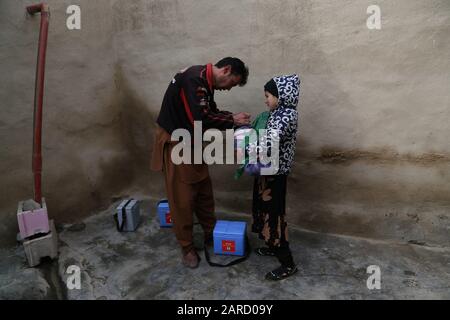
{"type": "Point", "coordinates": [124, 217]}
{"type": "Point", "coordinates": [239, 260]}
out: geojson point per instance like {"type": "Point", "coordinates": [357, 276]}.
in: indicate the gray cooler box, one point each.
{"type": "Point", "coordinates": [127, 215]}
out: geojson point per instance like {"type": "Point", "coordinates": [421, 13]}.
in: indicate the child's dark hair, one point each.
{"type": "Point", "coordinates": [271, 87]}
{"type": "Point", "coordinates": [238, 68]}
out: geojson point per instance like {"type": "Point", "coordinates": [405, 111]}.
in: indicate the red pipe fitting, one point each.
{"type": "Point", "coordinates": [39, 96]}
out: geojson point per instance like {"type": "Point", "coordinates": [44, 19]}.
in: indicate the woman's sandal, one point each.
{"type": "Point", "coordinates": [264, 252]}
{"type": "Point", "coordinates": [281, 273]}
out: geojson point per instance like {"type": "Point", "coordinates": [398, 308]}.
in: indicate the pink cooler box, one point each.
{"type": "Point", "coordinates": [33, 221]}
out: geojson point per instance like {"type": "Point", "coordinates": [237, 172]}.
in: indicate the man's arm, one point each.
{"type": "Point", "coordinates": [240, 119]}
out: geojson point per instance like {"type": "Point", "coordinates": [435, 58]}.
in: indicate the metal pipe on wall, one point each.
{"type": "Point", "coordinates": [39, 97]}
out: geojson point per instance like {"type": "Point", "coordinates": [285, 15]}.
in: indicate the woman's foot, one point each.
{"type": "Point", "coordinates": [281, 273]}
{"type": "Point", "coordinates": [264, 251]}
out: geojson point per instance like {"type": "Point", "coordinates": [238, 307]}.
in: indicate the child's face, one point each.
{"type": "Point", "coordinates": [271, 100]}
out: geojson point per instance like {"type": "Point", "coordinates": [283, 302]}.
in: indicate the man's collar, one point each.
{"type": "Point", "coordinates": [209, 76]}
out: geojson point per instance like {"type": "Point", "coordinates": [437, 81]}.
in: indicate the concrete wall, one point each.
{"type": "Point", "coordinates": [373, 156]}
{"type": "Point", "coordinates": [84, 154]}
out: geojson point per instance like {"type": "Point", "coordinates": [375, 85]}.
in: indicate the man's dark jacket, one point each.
{"type": "Point", "coordinates": [189, 98]}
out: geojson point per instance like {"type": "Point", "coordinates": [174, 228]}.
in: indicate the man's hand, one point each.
{"type": "Point", "coordinates": [241, 119]}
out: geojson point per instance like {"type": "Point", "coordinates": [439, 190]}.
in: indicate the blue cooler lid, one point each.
{"type": "Point", "coordinates": [163, 204]}
{"type": "Point", "coordinates": [229, 227]}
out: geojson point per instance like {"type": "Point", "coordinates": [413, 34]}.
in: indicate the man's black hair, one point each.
{"type": "Point", "coordinates": [238, 68]}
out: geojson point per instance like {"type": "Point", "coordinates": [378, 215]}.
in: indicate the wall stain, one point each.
{"type": "Point", "coordinates": [382, 155]}
{"type": "Point", "coordinates": [137, 123]}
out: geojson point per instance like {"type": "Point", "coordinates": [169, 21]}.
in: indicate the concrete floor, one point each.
{"type": "Point", "coordinates": [146, 265]}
